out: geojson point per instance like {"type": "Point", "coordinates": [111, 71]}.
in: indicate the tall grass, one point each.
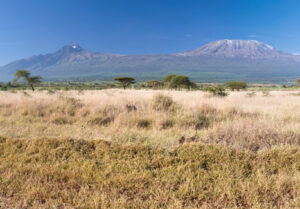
{"type": "Point", "coordinates": [149, 149]}
{"type": "Point", "coordinates": [156, 118]}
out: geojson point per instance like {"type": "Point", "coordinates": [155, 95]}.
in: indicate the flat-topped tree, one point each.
{"type": "Point", "coordinates": [125, 81]}
{"type": "Point", "coordinates": [25, 75]}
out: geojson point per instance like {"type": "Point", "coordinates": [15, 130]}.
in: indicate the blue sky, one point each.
{"type": "Point", "coordinates": [31, 27]}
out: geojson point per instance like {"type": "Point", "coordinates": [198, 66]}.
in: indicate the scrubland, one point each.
{"type": "Point", "coordinates": [149, 149]}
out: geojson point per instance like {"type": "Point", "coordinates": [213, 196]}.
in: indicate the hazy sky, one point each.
{"type": "Point", "coordinates": [31, 27]}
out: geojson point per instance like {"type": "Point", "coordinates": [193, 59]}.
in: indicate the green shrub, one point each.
{"type": "Point", "coordinates": [178, 82]}
{"type": "Point", "coordinates": [236, 85]}
{"type": "Point", "coordinates": [217, 90]}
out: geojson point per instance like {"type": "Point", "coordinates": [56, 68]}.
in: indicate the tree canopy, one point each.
{"type": "Point", "coordinates": [178, 81]}
{"type": "Point", "coordinates": [125, 81]}
{"type": "Point", "coordinates": [30, 80]}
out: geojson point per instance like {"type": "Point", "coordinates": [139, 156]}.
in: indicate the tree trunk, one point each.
{"type": "Point", "coordinates": [32, 87]}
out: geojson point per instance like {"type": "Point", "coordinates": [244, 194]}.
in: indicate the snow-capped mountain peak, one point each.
{"type": "Point", "coordinates": [234, 48]}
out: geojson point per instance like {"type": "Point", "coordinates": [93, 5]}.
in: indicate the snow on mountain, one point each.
{"type": "Point", "coordinates": [235, 48]}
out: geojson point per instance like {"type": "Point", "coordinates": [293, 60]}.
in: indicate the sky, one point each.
{"type": "Point", "coordinates": [32, 27]}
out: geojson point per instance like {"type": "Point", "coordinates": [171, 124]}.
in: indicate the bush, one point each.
{"type": "Point", "coordinates": [167, 124]}
{"type": "Point", "coordinates": [236, 85]}
{"type": "Point", "coordinates": [61, 121]}
{"type": "Point", "coordinates": [153, 84]}
{"type": "Point", "coordinates": [143, 123]}
{"type": "Point", "coordinates": [99, 121]}
{"type": "Point", "coordinates": [162, 102]}
{"type": "Point", "coordinates": [197, 121]}
{"type": "Point", "coordinates": [217, 90]}
{"type": "Point", "coordinates": [178, 81]}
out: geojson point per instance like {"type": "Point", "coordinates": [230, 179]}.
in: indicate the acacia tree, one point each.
{"type": "Point", "coordinates": [25, 75]}
{"type": "Point", "coordinates": [298, 81]}
{"type": "Point", "coordinates": [125, 81]}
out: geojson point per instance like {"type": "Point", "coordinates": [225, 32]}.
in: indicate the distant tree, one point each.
{"type": "Point", "coordinates": [181, 81]}
{"type": "Point", "coordinates": [125, 81]}
{"type": "Point", "coordinates": [153, 84]}
{"type": "Point", "coordinates": [178, 81]}
{"type": "Point", "coordinates": [167, 79]}
{"type": "Point", "coordinates": [298, 81]}
{"type": "Point", "coordinates": [24, 74]}
{"type": "Point", "coordinates": [236, 85]}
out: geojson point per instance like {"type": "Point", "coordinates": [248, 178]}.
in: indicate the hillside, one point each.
{"type": "Point", "coordinates": [247, 60]}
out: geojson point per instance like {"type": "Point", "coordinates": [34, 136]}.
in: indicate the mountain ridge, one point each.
{"type": "Point", "coordinates": [234, 57]}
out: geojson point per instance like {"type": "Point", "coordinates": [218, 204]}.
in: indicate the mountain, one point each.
{"type": "Point", "coordinates": [238, 49]}
{"type": "Point", "coordinates": [222, 60]}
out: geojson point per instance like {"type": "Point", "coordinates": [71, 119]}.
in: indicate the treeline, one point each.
{"type": "Point", "coordinates": [23, 80]}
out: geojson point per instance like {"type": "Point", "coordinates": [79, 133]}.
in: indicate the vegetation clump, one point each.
{"type": "Point", "coordinates": [162, 102]}
{"type": "Point", "coordinates": [217, 90]}
{"type": "Point", "coordinates": [105, 121]}
{"type": "Point", "coordinates": [61, 121]}
{"type": "Point", "coordinates": [153, 84]}
{"type": "Point", "coordinates": [166, 124]}
{"type": "Point", "coordinates": [178, 82]}
{"type": "Point", "coordinates": [144, 123]}
{"type": "Point", "coordinates": [236, 85]}
{"type": "Point", "coordinates": [298, 81]}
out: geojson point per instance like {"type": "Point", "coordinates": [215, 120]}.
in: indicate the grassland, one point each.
{"type": "Point", "coordinates": [149, 149]}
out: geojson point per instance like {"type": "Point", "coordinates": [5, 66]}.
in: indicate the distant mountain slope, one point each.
{"type": "Point", "coordinates": [216, 61]}
{"type": "Point", "coordinates": [238, 49]}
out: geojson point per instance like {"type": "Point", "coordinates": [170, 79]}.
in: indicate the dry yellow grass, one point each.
{"type": "Point", "coordinates": [149, 149]}
{"type": "Point", "coordinates": [239, 120]}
